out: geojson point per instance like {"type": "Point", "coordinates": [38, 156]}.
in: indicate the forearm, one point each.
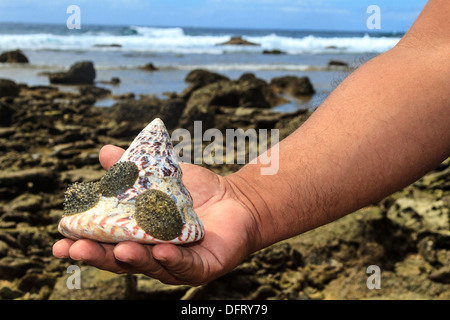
{"type": "Point", "coordinates": [384, 127]}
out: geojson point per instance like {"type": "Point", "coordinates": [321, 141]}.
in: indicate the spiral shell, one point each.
{"type": "Point", "coordinates": [141, 198]}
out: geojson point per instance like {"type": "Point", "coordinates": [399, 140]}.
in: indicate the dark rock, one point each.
{"type": "Point", "coordinates": [248, 76]}
{"type": "Point", "coordinates": [66, 150]}
{"type": "Point", "coordinates": [198, 113]}
{"type": "Point", "coordinates": [112, 45]}
{"type": "Point", "coordinates": [240, 94]}
{"type": "Point", "coordinates": [394, 240]}
{"type": "Point", "coordinates": [114, 81]}
{"type": "Point", "coordinates": [199, 78]}
{"type": "Point", "coordinates": [132, 110]}
{"type": "Point", "coordinates": [8, 88]}
{"type": "Point", "coordinates": [8, 292]}
{"type": "Point", "coordinates": [149, 67]}
{"type": "Point", "coordinates": [433, 246]}
{"type": "Point", "coordinates": [12, 267]}
{"type": "Point", "coordinates": [96, 285]}
{"type": "Point", "coordinates": [263, 292]}
{"type": "Point", "coordinates": [231, 94]}
{"type": "Point", "coordinates": [238, 41]}
{"type": "Point", "coordinates": [279, 257]}
{"type": "Point", "coordinates": [204, 103]}
{"type": "Point", "coordinates": [35, 281]}
{"type": "Point", "coordinates": [9, 239]}
{"type": "Point", "coordinates": [26, 202]}
{"type": "Point", "coordinates": [44, 73]}
{"type": "Point", "coordinates": [35, 179]}
{"type": "Point", "coordinates": [96, 92]}
{"type": "Point", "coordinates": [427, 249]}
{"type": "Point", "coordinates": [420, 214]}
{"type": "Point", "coordinates": [295, 86]}
{"type": "Point", "coordinates": [152, 289]}
{"type": "Point", "coordinates": [319, 275]}
{"type": "Point", "coordinates": [124, 96]}
{"type": "Point", "coordinates": [208, 103]}
{"type": "Point", "coordinates": [438, 179]}
{"type": "Point", "coordinates": [7, 112]}
{"type": "Point", "coordinates": [170, 111]}
{"type": "Point", "coordinates": [33, 239]}
{"type": "Point", "coordinates": [17, 216]}
{"type": "Point", "coordinates": [81, 175]}
{"type": "Point", "coordinates": [79, 73]}
{"type": "Point", "coordinates": [124, 130]}
{"type": "Point", "coordinates": [442, 275]}
{"type": "Point", "coordinates": [269, 94]}
{"type": "Point", "coordinates": [274, 51]}
{"type": "Point", "coordinates": [69, 134]}
{"type": "Point", "coordinates": [3, 249]}
{"type": "Point", "coordinates": [15, 56]}
{"type": "Point", "coordinates": [133, 115]}
{"type": "Point", "coordinates": [337, 63]}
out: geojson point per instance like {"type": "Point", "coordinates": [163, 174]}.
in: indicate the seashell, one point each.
{"type": "Point", "coordinates": [141, 198]}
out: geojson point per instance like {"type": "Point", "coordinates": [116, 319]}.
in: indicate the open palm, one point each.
{"type": "Point", "coordinates": [229, 228]}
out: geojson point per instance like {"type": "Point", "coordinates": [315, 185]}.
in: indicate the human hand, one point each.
{"type": "Point", "coordinates": [230, 234]}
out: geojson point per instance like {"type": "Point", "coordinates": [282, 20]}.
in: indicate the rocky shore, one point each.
{"type": "Point", "coordinates": [50, 138]}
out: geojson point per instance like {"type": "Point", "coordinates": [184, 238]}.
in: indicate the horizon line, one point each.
{"type": "Point", "coordinates": [375, 31]}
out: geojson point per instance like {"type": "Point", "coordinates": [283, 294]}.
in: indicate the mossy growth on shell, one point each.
{"type": "Point", "coordinates": [119, 178]}
{"type": "Point", "coordinates": [80, 197]}
{"type": "Point", "coordinates": [158, 215]}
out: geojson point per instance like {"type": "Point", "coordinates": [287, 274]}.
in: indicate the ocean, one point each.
{"type": "Point", "coordinates": [120, 51]}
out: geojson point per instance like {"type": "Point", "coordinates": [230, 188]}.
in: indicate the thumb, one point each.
{"type": "Point", "coordinates": [109, 155]}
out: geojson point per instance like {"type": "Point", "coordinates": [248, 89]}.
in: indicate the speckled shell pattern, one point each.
{"type": "Point", "coordinates": [112, 220]}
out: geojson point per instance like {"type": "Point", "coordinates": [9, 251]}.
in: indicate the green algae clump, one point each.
{"type": "Point", "coordinates": [157, 214]}
{"type": "Point", "coordinates": [81, 197]}
{"type": "Point", "coordinates": [119, 178]}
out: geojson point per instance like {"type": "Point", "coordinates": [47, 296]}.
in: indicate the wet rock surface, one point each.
{"type": "Point", "coordinates": [15, 56]}
{"type": "Point", "coordinates": [8, 88]}
{"type": "Point", "coordinates": [238, 41]}
{"type": "Point", "coordinates": [79, 73]}
{"type": "Point", "coordinates": [296, 86]}
{"type": "Point", "coordinates": [149, 67]}
{"type": "Point", "coordinates": [50, 139]}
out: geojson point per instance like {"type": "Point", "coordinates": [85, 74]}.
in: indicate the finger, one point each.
{"type": "Point", "coordinates": [182, 263]}
{"type": "Point", "coordinates": [134, 254]}
{"type": "Point", "coordinates": [96, 254]}
{"type": "Point", "coordinates": [109, 155]}
{"type": "Point", "coordinates": [61, 248]}
{"type": "Point", "coordinates": [140, 258]}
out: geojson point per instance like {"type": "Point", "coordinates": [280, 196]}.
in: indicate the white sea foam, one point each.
{"type": "Point", "coordinates": [159, 32]}
{"type": "Point", "coordinates": [176, 40]}
{"type": "Point", "coordinates": [249, 67]}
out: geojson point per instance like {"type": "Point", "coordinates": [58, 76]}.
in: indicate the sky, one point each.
{"type": "Point", "coordinates": [348, 15]}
